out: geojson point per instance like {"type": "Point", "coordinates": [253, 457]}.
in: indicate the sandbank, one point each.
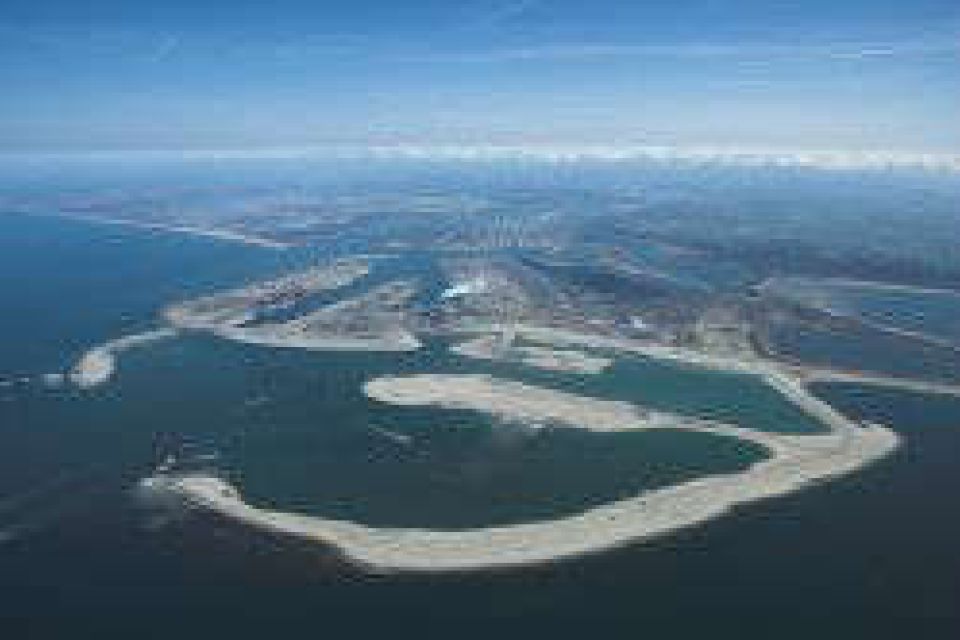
{"type": "Point", "coordinates": [795, 462]}
{"type": "Point", "coordinates": [203, 232]}
{"type": "Point", "coordinates": [566, 360]}
{"type": "Point", "coordinates": [279, 336]}
{"type": "Point", "coordinates": [97, 365]}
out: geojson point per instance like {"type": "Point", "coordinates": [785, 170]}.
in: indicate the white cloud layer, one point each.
{"type": "Point", "coordinates": [734, 156]}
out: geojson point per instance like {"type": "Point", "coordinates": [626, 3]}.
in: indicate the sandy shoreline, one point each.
{"type": "Point", "coordinates": [511, 400]}
{"type": "Point", "coordinates": [96, 366]}
{"type": "Point", "coordinates": [229, 314]}
{"type": "Point", "coordinates": [203, 232]}
{"type": "Point", "coordinates": [795, 462]}
{"type": "Point", "coordinates": [567, 338]}
{"type": "Point", "coordinates": [277, 337]}
{"type": "Point", "coordinates": [773, 281]}
{"type": "Point", "coordinates": [779, 287]}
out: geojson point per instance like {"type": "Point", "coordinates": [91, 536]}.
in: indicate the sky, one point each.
{"type": "Point", "coordinates": [187, 74]}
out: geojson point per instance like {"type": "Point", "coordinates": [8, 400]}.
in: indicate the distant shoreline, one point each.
{"type": "Point", "coordinates": [202, 232]}
{"type": "Point", "coordinates": [771, 281]}
{"type": "Point", "coordinates": [490, 348]}
{"type": "Point", "coordinates": [769, 286]}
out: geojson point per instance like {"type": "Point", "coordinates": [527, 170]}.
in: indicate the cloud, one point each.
{"type": "Point", "coordinates": [737, 156]}
{"type": "Point", "coordinates": [864, 53]}
{"type": "Point", "coordinates": [505, 12]}
{"type": "Point", "coordinates": [737, 51]}
{"type": "Point", "coordinates": [165, 48]}
{"type": "Point", "coordinates": [151, 46]}
{"type": "Point", "coordinates": [837, 160]}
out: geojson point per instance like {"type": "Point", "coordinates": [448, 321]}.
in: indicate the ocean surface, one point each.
{"type": "Point", "coordinates": [81, 555]}
{"type": "Point", "coordinates": [931, 313]}
{"type": "Point", "coordinates": [866, 349]}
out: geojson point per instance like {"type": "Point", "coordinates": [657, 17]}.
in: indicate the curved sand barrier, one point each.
{"type": "Point", "coordinates": [227, 235]}
{"type": "Point", "coordinates": [513, 400]}
{"type": "Point", "coordinates": [795, 462]}
{"type": "Point", "coordinates": [97, 365]}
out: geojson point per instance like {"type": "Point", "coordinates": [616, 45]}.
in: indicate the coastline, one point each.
{"type": "Point", "coordinates": [770, 287]}
{"type": "Point", "coordinates": [97, 365]}
{"type": "Point", "coordinates": [771, 281]}
{"type": "Point", "coordinates": [770, 370]}
{"type": "Point", "coordinates": [276, 337]}
{"type": "Point", "coordinates": [566, 360]}
{"type": "Point", "coordinates": [228, 314]}
{"type": "Point", "coordinates": [202, 232]}
{"type": "Point", "coordinates": [796, 461]}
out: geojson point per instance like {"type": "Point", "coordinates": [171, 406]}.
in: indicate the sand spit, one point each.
{"type": "Point", "coordinates": [226, 235]}
{"type": "Point", "coordinates": [903, 384]}
{"type": "Point", "coordinates": [239, 306]}
{"type": "Point", "coordinates": [355, 324]}
{"type": "Point", "coordinates": [777, 374]}
{"type": "Point", "coordinates": [805, 291]}
{"type": "Point", "coordinates": [492, 348]}
{"type": "Point", "coordinates": [795, 462]}
{"type": "Point", "coordinates": [567, 338]}
{"type": "Point", "coordinates": [790, 379]}
{"type": "Point", "coordinates": [97, 365]}
{"type": "Point", "coordinates": [512, 400]}
{"type": "Point", "coordinates": [775, 283]}
{"type": "Point", "coordinates": [282, 337]}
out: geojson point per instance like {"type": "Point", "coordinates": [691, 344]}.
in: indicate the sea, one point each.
{"type": "Point", "coordinates": [83, 553]}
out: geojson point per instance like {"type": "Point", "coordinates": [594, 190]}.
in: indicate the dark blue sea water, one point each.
{"type": "Point", "coordinates": [932, 313]}
{"type": "Point", "coordinates": [866, 349]}
{"type": "Point", "coordinates": [870, 556]}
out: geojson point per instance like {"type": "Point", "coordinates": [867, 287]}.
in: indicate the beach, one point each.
{"type": "Point", "coordinates": [226, 235]}
{"type": "Point", "coordinates": [97, 365]}
{"type": "Point", "coordinates": [281, 336]}
{"type": "Point", "coordinates": [511, 400]}
{"type": "Point", "coordinates": [795, 461]}
{"type": "Point", "coordinates": [567, 360]}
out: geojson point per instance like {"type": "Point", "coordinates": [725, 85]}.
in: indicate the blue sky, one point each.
{"type": "Point", "coordinates": [123, 74]}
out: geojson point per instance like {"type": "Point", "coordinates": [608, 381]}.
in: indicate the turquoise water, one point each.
{"type": "Point", "coordinates": [464, 469]}
{"type": "Point", "coordinates": [67, 286]}
{"type": "Point", "coordinates": [873, 555]}
{"type": "Point", "coordinates": [298, 433]}
{"type": "Point", "coordinates": [70, 284]}
{"type": "Point", "coordinates": [294, 428]}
